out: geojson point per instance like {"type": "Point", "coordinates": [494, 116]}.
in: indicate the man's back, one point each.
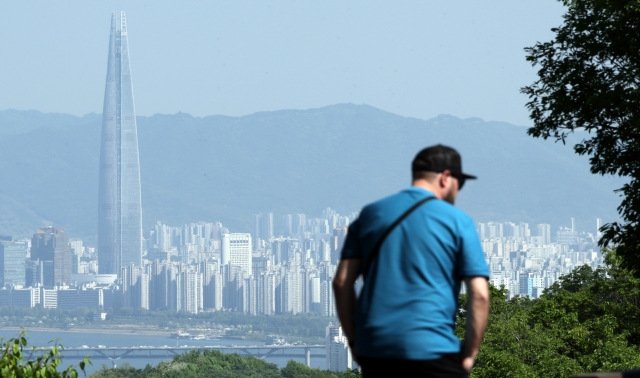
{"type": "Point", "coordinates": [408, 303]}
{"type": "Point", "coordinates": [405, 314]}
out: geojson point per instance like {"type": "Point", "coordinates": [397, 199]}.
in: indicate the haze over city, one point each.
{"type": "Point", "coordinates": [236, 59]}
{"type": "Point", "coordinates": [218, 172]}
{"type": "Point", "coordinates": [416, 59]}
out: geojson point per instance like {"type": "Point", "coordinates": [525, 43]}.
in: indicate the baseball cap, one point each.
{"type": "Point", "coordinates": [439, 158]}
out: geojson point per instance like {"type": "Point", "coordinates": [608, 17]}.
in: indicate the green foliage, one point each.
{"type": "Point", "coordinates": [589, 78]}
{"type": "Point", "coordinates": [14, 363]}
{"type": "Point", "coordinates": [587, 321]}
{"type": "Point", "coordinates": [215, 364]}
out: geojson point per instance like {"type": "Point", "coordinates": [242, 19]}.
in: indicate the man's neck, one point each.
{"type": "Point", "coordinates": [426, 185]}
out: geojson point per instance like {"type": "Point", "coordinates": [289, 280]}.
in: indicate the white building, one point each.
{"type": "Point", "coordinates": [49, 298]}
{"type": "Point", "coordinates": [76, 245]}
{"type": "Point", "coordinates": [192, 291]}
{"type": "Point", "coordinates": [236, 250]}
{"type": "Point", "coordinates": [339, 356]}
{"type": "Point", "coordinates": [327, 301]}
{"type": "Point", "coordinates": [293, 290]}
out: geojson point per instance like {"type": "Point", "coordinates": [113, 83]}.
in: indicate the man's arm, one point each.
{"type": "Point", "coordinates": [343, 287]}
{"type": "Point", "coordinates": [477, 315]}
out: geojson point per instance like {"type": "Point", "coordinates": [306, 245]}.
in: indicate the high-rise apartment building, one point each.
{"type": "Point", "coordinates": [119, 211]}
{"type": "Point", "coordinates": [135, 287]}
{"type": "Point", "coordinates": [211, 286]}
{"type": "Point", "coordinates": [262, 227]}
{"type": "Point", "coordinates": [598, 225]}
{"type": "Point", "coordinates": [339, 235]}
{"type": "Point", "coordinates": [192, 300]}
{"type": "Point", "coordinates": [544, 232]}
{"type": "Point", "coordinates": [287, 221]}
{"type": "Point", "coordinates": [315, 286]}
{"type": "Point", "coordinates": [292, 290]}
{"type": "Point", "coordinates": [299, 223]}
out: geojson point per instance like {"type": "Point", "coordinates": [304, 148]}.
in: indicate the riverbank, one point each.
{"type": "Point", "coordinates": [115, 329]}
{"type": "Point", "coordinates": [139, 359]}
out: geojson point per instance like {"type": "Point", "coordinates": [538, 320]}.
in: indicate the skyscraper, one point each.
{"type": "Point", "coordinates": [12, 262]}
{"type": "Point", "coordinates": [120, 210]}
{"type": "Point", "coordinates": [50, 248]}
{"type": "Point", "coordinates": [263, 228]}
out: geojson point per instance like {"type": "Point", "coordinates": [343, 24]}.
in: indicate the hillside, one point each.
{"type": "Point", "coordinates": [288, 161]}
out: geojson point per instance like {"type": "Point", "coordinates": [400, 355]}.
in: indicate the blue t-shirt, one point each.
{"type": "Point", "coordinates": [410, 311]}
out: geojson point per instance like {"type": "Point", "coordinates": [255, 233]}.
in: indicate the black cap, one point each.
{"type": "Point", "coordinates": [439, 158]}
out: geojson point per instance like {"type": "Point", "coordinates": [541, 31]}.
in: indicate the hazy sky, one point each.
{"type": "Point", "coordinates": [413, 58]}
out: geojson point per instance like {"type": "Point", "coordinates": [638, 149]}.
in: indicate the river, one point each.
{"type": "Point", "coordinates": [78, 339]}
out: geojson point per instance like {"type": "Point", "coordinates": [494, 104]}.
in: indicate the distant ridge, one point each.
{"type": "Point", "coordinates": [287, 161]}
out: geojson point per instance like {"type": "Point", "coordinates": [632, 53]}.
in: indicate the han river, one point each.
{"type": "Point", "coordinates": [79, 339]}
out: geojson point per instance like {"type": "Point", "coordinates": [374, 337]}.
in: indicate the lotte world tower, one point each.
{"type": "Point", "coordinates": [120, 211]}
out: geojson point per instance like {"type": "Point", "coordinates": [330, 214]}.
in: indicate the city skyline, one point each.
{"type": "Point", "coordinates": [302, 268]}
{"type": "Point", "coordinates": [120, 208]}
{"type": "Point", "coordinates": [252, 120]}
{"type": "Point", "coordinates": [205, 266]}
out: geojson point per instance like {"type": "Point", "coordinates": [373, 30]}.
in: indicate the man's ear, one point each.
{"type": "Point", "coordinates": [443, 178]}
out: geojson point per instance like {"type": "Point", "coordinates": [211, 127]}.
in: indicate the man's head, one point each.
{"type": "Point", "coordinates": [439, 169]}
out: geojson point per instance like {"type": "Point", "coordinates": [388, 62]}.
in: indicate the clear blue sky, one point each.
{"type": "Point", "coordinates": [413, 58]}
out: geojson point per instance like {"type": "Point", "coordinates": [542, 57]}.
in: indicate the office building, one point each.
{"type": "Point", "coordinates": [339, 356]}
{"type": "Point", "coordinates": [236, 250]}
{"type": "Point", "coordinates": [119, 211]}
{"type": "Point", "coordinates": [12, 262]}
{"type": "Point", "coordinates": [50, 246]}
{"type": "Point", "coordinates": [81, 297]}
{"type": "Point", "coordinates": [29, 297]}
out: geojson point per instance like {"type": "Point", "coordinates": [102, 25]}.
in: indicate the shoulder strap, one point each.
{"type": "Point", "coordinates": [376, 249]}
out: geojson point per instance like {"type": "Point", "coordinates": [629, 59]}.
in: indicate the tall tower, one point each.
{"type": "Point", "coordinates": [120, 210]}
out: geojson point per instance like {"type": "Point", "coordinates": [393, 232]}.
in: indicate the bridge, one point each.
{"type": "Point", "coordinates": [146, 352]}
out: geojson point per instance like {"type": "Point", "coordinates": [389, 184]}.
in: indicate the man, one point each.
{"type": "Point", "coordinates": [403, 321]}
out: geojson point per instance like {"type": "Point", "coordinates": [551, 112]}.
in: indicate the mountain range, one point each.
{"type": "Point", "coordinates": [220, 168]}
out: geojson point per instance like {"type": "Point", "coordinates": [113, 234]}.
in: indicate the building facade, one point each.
{"type": "Point", "coordinates": [236, 250]}
{"type": "Point", "coordinates": [12, 262]}
{"type": "Point", "coordinates": [120, 211]}
{"type": "Point", "coordinates": [339, 356]}
{"type": "Point", "coordinates": [51, 253]}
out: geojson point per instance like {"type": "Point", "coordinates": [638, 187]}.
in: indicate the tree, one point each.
{"type": "Point", "coordinates": [14, 364]}
{"type": "Point", "coordinates": [588, 79]}
{"type": "Point", "coordinates": [586, 321]}
{"type": "Point", "coordinates": [221, 365]}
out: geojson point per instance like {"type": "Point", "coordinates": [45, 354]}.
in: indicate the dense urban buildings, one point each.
{"type": "Point", "coordinates": [526, 262]}
{"type": "Point", "coordinates": [119, 211]}
{"type": "Point", "coordinates": [205, 267]}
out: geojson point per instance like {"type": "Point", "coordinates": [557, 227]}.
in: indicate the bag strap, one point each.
{"type": "Point", "coordinates": [376, 249]}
